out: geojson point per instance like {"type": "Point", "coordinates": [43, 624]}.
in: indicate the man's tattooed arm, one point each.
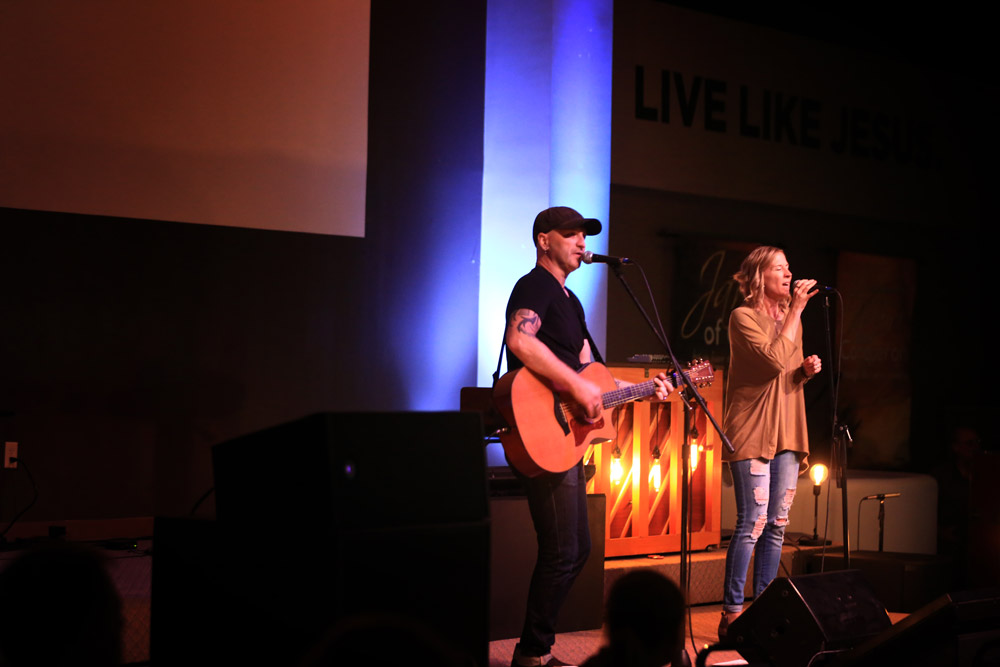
{"type": "Point", "coordinates": [526, 321]}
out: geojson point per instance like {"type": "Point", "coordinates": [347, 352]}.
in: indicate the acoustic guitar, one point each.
{"type": "Point", "coordinates": [547, 433]}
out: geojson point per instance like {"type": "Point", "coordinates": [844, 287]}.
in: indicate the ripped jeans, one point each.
{"type": "Point", "coordinates": [764, 494]}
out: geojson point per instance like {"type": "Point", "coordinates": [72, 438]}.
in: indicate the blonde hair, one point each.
{"type": "Point", "coordinates": [751, 279]}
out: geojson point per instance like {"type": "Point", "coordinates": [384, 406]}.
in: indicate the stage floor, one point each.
{"type": "Point", "coordinates": [707, 573]}
{"type": "Point", "coordinates": [575, 647]}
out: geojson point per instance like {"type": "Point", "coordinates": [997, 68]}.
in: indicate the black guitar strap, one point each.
{"type": "Point", "coordinates": [503, 345]}
{"type": "Point", "coordinates": [586, 332]}
{"type": "Point", "coordinates": [593, 346]}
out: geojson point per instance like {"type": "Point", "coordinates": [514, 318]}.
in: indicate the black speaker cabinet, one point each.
{"type": "Point", "coordinates": [960, 629]}
{"type": "Point", "coordinates": [331, 518]}
{"type": "Point", "coordinates": [329, 472]}
{"type": "Point", "coordinates": [800, 620]}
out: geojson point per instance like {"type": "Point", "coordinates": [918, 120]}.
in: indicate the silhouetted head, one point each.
{"type": "Point", "coordinates": [644, 618]}
{"type": "Point", "coordinates": [59, 606]}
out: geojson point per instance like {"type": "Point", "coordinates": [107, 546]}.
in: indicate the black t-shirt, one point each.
{"type": "Point", "coordinates": [563, 329]}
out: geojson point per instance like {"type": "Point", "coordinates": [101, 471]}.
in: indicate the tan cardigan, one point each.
{"type": "Point", "coordinates": [765, 409]}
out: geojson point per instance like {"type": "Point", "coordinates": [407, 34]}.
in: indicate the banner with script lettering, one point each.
{"type": "Point", "coordinates": [705, 294]}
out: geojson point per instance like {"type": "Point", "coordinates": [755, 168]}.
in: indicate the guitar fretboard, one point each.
{"type": "Point", "coordinates": [632, 392]}
{"type": "Point", "coordinates": [612, 399]}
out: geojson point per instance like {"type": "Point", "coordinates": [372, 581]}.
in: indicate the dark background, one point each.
{"type": "Point", "coordinates": [129, 348]}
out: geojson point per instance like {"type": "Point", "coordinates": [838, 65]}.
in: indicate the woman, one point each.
{"type": "Point", "coordinates": [765, 418]}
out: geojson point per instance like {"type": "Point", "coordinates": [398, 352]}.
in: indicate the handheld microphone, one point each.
{"type": "Point", "coordinates": [591, 258]}
{"type": "Point", "coordinates": [823, 288]}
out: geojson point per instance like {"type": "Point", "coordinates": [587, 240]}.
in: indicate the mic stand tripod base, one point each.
{"type": "Point", "coordinates": [813, 542]}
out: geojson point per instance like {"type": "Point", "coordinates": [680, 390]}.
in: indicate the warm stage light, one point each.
{"type": "Point", "coordinates": [616, 466]}
{"type": "Point", "coordinates": [695, 449]}
{"type": "Point", "coordinates": [818, 473]}
{"type": "Point", "coordinates": [655, 474]}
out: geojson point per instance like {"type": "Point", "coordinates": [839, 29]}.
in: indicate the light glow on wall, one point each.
{"type": "Point", "coordinates": [547, 142]}
{"type": "Point", "coordinates": [581, 134]}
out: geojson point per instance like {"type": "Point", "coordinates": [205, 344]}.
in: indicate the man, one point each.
{"type": "Point", "coordinates": [547, 332]}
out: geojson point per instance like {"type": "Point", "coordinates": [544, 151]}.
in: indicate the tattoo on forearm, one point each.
{"type": "Point", "coordinates": [526, 321]}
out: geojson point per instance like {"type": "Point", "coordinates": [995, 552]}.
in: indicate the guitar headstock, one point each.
{"type": "Point", "coordinates": [700, 372]}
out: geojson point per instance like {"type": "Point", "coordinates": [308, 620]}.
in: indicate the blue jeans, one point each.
{"type": "Point", "coordinates": [558, 504]}
{"type": "Point", "coordinates": [764, 494]}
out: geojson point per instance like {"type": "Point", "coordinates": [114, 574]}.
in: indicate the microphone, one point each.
{"type": "Point", "coordinates": [882, 496]}
{"type": "Point", "coordinates": [823, 288]}
{"type": "Point", "coordinates": [590, 258]}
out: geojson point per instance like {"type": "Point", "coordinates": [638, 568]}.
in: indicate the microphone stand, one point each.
{"type": "Point", "coordinates": [690, 397]}
{"type": "Point", "coordinates": [841, 436]}
{"type": "Point", "coordinates": [689, 386]}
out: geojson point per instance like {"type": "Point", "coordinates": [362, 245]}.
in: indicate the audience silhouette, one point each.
{"type": "Point", "coordinates": [59, 606]}
{"type": "Point", "coordinates": [644, 622]}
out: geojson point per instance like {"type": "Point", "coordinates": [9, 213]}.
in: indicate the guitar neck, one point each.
{"type": "Point", "coordinates": [632, 392]}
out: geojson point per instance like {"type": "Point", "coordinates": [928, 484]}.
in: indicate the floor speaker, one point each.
{"type": "Point", "coordinates": [960, 629]}
{"type": "Point", "coordinates": [802, 620]}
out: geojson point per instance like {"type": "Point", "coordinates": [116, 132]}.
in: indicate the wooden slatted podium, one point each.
{"type": "Point", "coordinates": [644, 519]}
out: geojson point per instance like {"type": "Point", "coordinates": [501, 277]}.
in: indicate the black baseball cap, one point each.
{"type": "Point", "coordinates": [563, 217]}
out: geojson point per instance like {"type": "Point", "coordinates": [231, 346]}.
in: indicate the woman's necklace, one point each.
{"type": "Point", "coordinates": [776, 315]}
{"type": "Point", "coordinates": [772, 310]}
